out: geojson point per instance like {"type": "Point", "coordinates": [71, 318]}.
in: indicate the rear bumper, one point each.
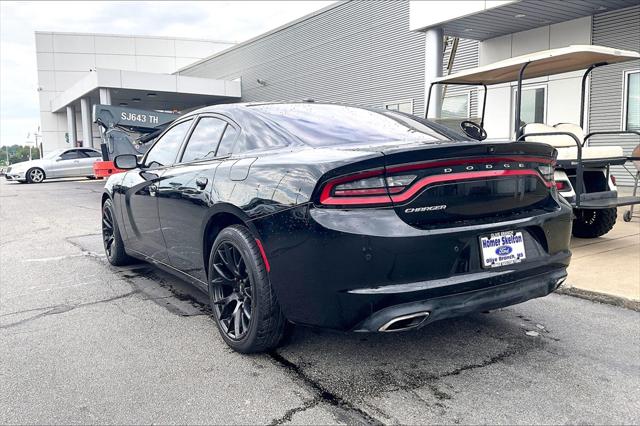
{"type": "Point", "coordinates": [460, 304]}
{"type": "Point", "coordinates": [351, 269]}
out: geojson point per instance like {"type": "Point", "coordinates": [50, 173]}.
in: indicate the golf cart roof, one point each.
{"type": "Point", "coordinates": [543, 63]}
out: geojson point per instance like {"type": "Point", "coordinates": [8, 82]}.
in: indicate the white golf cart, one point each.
{"type": "Point", "coordinates": [582, 171]}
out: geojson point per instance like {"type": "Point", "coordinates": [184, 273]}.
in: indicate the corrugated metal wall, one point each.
{"type": "Point", "coordinates": [620, 29]}
{"type": "Point", "coordinates": [357, 52]}
{"type": "Point", "coordinates": [466, 57]}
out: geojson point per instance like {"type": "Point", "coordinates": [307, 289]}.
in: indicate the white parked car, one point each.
{"type": "Point", "coordinates": [74, 162]}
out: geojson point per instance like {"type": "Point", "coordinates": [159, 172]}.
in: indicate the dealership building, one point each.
{"type": "Point", "coordinates": [377, 54]}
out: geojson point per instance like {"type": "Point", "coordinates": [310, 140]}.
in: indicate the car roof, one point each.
{"type": "Point", "coordinates": [246, 106]}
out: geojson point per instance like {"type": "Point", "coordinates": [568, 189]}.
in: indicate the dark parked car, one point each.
{"type": "Point", "coordinates": [336, 216]}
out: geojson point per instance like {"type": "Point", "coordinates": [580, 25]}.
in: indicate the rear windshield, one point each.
{"type": "Point", "coordinates": [324, 125]}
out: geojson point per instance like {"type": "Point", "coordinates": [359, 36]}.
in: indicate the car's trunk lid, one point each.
{"type": "Point", "coordinates": [467, 183]}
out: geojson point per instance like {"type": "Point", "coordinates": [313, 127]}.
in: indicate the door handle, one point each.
{"type": "Point", "coordinates": [201, 182]}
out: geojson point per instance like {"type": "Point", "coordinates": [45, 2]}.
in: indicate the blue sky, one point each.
{"type": "Point", "coordinates": [216, 20]}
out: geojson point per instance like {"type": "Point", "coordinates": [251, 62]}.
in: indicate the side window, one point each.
{"type": "Point", "coordinates": [91, 153]}
{"type": "Point", "coordinates": [533, 105]}
{"type": "Point", "coordinates": [226, 143]}
{"type": "Point", "coordinates": [204, 139]}
{"type": "Point", "coordinates": [165, 150]}
{"type": "Point", "coordinates": [632, 101]}
{"type": "Point", "coordinates": [72, 154]}
{"type": "Point", "coordinates": [456, 106]}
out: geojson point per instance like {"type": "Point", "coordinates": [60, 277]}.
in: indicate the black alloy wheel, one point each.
{"type": "Point", "coordinates": [243, 303]}
{"type": "Point", "coordinates": [108, 236]}
{"type": "Point", "coordinates": [232, 291]}
{"type": "Point", "coordinates": [112, 241]}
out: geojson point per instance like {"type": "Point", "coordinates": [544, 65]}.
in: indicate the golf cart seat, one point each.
{"type": "Point", "coordinates": [566, 145]}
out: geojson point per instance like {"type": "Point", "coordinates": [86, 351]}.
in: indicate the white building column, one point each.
{"type": "Point", "coordinates": [105, 96]}
{"type": "Point", "coordinates": [71, 125]}
{"type": "Point", "coordinates": [87, 131]}
{"type": "Point", "coordinates": [434, 51]}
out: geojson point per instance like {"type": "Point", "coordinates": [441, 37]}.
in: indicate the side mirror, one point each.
{"type": "Point", "coordinates": [126, 162]}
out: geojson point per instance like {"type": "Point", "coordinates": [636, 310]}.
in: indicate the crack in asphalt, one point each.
{"type": "Point", "coordinates": [492, 360]}
{"type": "Point", "coordinates": [408, 382]}
{"type": "Point", "coordinates": [86, 207]}
{"type": "Point", "coordinates": [7, 242]}
{"type": "Point", "coordinates": [60, 309]}
{"type": "Point", "coordinates": [356, 415]}
{"type": "Point", "coordinates": [88, 253]}
{"type": "Point", "coordinates": [345, 409]}
{"type": "Point", "coordinates": [56, 258]}
{"type": "Point", "coordinates": [288, 415]}
{"type": "Point", "coordinates": [26, 310]}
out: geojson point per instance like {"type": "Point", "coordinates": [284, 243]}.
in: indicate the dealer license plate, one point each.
{"type": "Point", "coordinates": [502, 248]}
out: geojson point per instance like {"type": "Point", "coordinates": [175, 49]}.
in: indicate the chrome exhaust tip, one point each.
{"type": "Point", "coordinates": [405, 322]}
{"type": "Point", "coordinates": [560, 281]}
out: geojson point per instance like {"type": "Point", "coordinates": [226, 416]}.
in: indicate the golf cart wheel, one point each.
{"type": "Point", "coordinates": [593, 223]}
{"type": "Point", "coordinates": [111, 238]}
{"type": "Point", "coordinates": [243, 303]}
{"type": "Point", "coordinates": [35, 175]}
{"type": "Point", "coordinates": [627, 216]}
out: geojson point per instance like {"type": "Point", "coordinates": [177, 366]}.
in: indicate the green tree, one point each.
{"type": "Point", "coordinates": [18, 154]}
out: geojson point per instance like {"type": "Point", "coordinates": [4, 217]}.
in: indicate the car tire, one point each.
{"type": "Point", "coordinates": [243, 303]}
{"type": "Point", "coordinates": [111, 238]}
{"type": "Point", "coordinates": [35, 175]}
{"type": "Point", "coordinates": [593, 223]}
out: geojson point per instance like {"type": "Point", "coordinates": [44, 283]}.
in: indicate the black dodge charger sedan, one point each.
{"type": "Point", "coordinates": [338, 216]}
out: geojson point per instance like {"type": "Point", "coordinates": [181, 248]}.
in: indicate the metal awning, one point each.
{"type": "Point", "coordinates": [542, 63]}
{"type": "Point", "coordinates": [150, 91]}
{"type": "Point", "coordinates": [498, 18]}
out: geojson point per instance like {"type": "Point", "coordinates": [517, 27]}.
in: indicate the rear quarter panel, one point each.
{"type": "Point", "coordinates": [277, 181]}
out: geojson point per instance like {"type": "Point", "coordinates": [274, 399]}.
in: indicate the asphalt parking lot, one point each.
{"type": "Point", "coordinates": [84, 342]}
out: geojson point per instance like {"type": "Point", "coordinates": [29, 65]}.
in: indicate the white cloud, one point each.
{"type": "Point", "coordinates": [215, 20]}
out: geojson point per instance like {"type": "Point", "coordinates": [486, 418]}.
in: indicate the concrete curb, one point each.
{"type": "Point", "coordinates": [600, 298]}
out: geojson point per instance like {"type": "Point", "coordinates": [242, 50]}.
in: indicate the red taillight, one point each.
{"type": "Point", "coordinates": [613, 179]}
{"type": "Point", "coordinates": [486, 174]}
{"type": "Point", "coordinates": [561, 186]}
{"type": "Point", "coordinates": [364, 191]}
{"type": "Point", "coordinates": [371, 187]}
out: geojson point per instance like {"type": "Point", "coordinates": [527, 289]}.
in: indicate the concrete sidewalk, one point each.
{"type": "Point", "coordinates": [609, 265]}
